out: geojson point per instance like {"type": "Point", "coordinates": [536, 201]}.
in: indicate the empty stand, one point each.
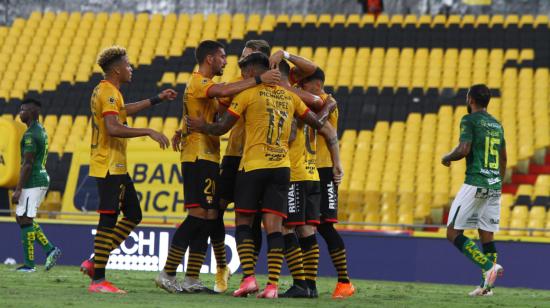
{"type": "Point", "coordinates": [400, 82]}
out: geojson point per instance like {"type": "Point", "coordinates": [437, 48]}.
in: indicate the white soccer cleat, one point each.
{"type": "Point", "coordinates": [168, 283]}
{"type": "Point", "coordinates": [191, 285]}
{"type": "Point", "coordinates": [479, 291]}
{"type": "Point", "coordinates": [491, 276]}
{"type": "Point", "coordinates": [194, 285]}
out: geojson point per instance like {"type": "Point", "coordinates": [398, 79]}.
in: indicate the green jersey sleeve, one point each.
{"type": "Point", "coordinates": [29, 144]}
{"type": "Point", "coordinates": [466, 130]}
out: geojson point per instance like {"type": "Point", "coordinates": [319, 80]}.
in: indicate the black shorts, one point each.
{"type": "Point", "coordinates": [329, 196]}
{"type": "Point", "coordinates": [304, 199]}
{"type": "Point", "coordinates": [116, 193]}
{"type": "Point", "coordinates": [225, 186]}
{"type": "Point", "coordinates": [264, 190]}
{"type": "Point", "coordinates": [199, 184]}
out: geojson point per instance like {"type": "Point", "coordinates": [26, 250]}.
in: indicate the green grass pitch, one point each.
{"type": "Point", "coordinates": [66, 286]}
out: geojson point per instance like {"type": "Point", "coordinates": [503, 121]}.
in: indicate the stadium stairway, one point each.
{"type": "Point", "coordinates": [400, 81]}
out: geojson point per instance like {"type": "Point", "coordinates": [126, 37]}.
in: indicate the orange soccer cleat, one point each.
{"type": "Point", "coordinates": [104, 287]}
{"type": "Point", "coordinates": [343, 290]}
{"type": "Point", "coordinates": [270, 291]}
{"type": "Point", "coordinates": [87, 268]}
{"type": "Point", "coordinates": [248, 285]}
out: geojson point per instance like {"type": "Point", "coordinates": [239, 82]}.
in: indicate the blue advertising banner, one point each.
{"type": "Point", "coordinates": [370, 255]}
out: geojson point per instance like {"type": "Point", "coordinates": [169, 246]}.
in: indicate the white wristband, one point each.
{"type": "Point", "coordinates": [286, 55]}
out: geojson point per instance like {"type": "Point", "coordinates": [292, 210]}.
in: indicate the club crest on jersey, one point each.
{"type": "Point", "coordinates": [111, 100]}
{"type": "Point", "coordinates": [204, 81]}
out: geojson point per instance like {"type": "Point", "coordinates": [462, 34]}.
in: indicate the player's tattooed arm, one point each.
{"type": "Point", "coordinates": [329, 107]}
{"type": "Point", "coordinates": [459, 152]}
{"type": "Point", "coordinates": [303, 66]}
{"type": "Point", "coordinates": [313, 101]}
{"type": "Point", "coordinates": [502, 160]}
{"type": "Point", "coordinates": [318, 120]}
{"type": "Point", "coordinates": [329, 133]}
{"type": "Point", "coordinates": [270, 77]}
{"type": "Point", "coordinates": [218, 128]}
{"type": "Point", "coordinates": [24, 174]}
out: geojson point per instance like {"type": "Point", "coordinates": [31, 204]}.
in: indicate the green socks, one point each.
{"type": "Point", "coordinates": [41, 237]}
{"type": "Point", "coordinates": [490, 251]}
{"type": "Point", "coordinates": [470, 250]}
{"type": "Point", "coordinates": [27, 238]}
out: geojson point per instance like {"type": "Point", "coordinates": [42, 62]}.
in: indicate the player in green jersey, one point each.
{"type": "Point", "coordinates": [32, 187]}
{"type": "Point", "coordinates": [477, 204]}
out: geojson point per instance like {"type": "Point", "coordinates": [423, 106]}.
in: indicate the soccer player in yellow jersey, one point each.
{"type": "Point", "coordinates": [329, 194]}
{"type": "Point", "coordinates": [265, 166]}
{"type": "Point", "coordinates": [304, 194]}
{"type": "Point", "coordinates": [200, 158]}
{"type": "Point", "coordinates": [229, 168]}
{"type": "Point", "coordinates": [108, 161]}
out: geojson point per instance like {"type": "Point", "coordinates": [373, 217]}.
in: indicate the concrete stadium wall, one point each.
{"type": "Point", "coordinates": [375, 256]}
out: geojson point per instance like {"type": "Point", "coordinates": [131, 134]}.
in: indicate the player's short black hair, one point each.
{"type": "Point", "coordinates": [256, 59]}
{"type": "Point", "coordinates": [207, 48]}
{"type": "Point", "coordinates": [481, 94]}
{"type": "Point", "coordinates": [32, 101]}
{"type": "Point", "coordinates": [317, 75]}
{"type": "Point", "coordinates": [259, 45]}
{"type": "Point", "coordinates": [108, 56]}
{"type": "Point", "coordinates": [284, 68]}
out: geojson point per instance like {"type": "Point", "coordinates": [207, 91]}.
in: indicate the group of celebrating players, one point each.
{"type": "Point", "coordinates": [275, 170]}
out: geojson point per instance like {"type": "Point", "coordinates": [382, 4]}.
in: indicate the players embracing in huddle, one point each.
{"type": "Point", "coordinates": [276, 170]}
{"type": "Point", "coordinates": [267, 168]}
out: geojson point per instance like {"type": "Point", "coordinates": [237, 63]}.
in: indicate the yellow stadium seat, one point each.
{"type": "Point", "coordinates": [525, 189]}
{"type": "Point", "coordinates": [168, 78]}
{"type": "Point", "coordinates": [156, 123]}
{"type": "Point", "coordinates": [537, 219]}
{"type": "Point", "coordinates": [140, 122]}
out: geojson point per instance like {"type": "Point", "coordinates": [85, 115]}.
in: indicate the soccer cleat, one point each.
{"type": "Point", "coordinates": [88, 268]}
{"type": "Point", "coordinates": [248, 285]}
{"type": "Point", "coordinates": [222, 277]}
{"type": "Point", "coordinates": [168, 283]}
{"type": "Point", "coordinates": [194, 285]}
{"type": "Point", "coordinates": [296, 292]}
{"type": "Point", "coordinates": [313, 293]}
{"type": "Point", "coordinates": [491, 276]}
{"type": "Point", "coordinates": [52, 257]}
{"type": "Point", "coordinates": [343, 290]}
{"type": "Point", "coordinates": [26, 269]}
{"type": "Point", "coordinates": [270, 291]}
{"type": "Point", "coordinates": [480, 291]}
{"type": "Point", "coordinates": [104, 287]}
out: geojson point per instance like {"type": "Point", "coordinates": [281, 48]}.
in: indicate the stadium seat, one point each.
{"type": "Point", "coordinates": [400, 104]}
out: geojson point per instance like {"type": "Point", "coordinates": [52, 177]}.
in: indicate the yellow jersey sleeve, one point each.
{"type": "Point", "coordinates": [239, 103]}
{"type": "Point", "coordinates": [201, 87]}
{"type": "Point", "coordinates": [109, 101]}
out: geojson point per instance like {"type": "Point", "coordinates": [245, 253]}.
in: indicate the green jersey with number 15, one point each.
{"type": "Point", "coordinates": [487, 138]}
